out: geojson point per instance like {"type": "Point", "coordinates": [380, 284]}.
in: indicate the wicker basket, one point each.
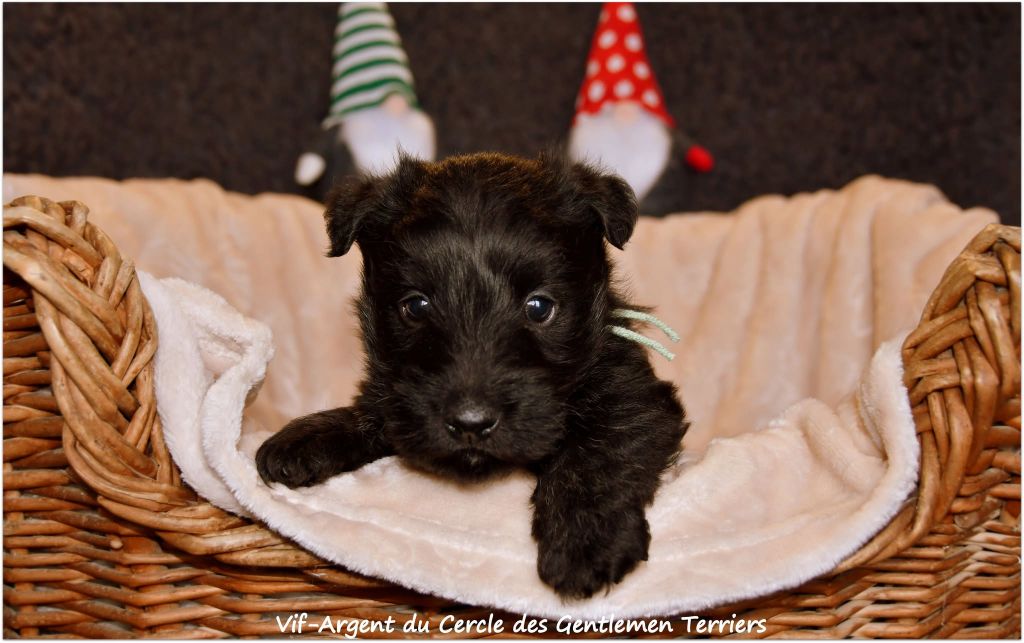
{"type": "Point", "coordinates": [102, 539]}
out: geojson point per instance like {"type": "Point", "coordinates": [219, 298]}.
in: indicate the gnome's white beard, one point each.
{"type": "Point", "coordinates": [374, 137]}
{"type": "Point", "coordinates": [636, 149]}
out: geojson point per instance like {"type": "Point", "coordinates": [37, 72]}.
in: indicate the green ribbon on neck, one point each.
{"type": "Point", "coordinates": [634, 336]}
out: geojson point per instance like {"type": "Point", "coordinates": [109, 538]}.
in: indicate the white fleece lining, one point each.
{"type": "Point", "coordinates": [811, 484]}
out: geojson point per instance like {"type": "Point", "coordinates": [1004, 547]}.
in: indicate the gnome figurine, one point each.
{"type": "Point", "coordinates": [374, 111]}
{"type": "Point", "coordinates": [621, 122]}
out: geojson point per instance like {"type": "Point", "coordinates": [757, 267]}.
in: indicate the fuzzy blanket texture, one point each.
{"type": "Point", "coordinates": [791, 313]}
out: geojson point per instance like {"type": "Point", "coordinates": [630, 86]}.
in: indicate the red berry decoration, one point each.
{"type": "Point", "coordinates": [699, 159]}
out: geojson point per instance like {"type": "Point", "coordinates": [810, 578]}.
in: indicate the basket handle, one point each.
{"type": "Point", "coordinates": [962, 371]}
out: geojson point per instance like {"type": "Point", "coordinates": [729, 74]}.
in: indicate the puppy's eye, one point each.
{"type": "Point", "coordinates": [414, 308]}
{"type": "Point", "coordinates": [539, 309]}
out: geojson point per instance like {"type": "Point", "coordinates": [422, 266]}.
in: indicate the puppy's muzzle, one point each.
{"type": "Point", "coordinates": [472, 422]}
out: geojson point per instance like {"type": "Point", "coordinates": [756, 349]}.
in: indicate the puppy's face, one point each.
{"type": "Point", "coordinates": [485, 289]}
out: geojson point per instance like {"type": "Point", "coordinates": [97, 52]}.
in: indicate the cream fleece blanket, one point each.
{"type": "Point", "coordinates": [790, 310]}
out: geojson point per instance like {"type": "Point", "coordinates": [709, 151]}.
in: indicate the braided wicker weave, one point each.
{"type": "Point", "coordinates": [102, 539]}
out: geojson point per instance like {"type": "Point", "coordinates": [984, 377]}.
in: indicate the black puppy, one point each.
{"type": "Point", "coordinates": [485, 309]}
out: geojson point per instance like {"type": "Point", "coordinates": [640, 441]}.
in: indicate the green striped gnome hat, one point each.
{"type": "Point", "coordinates": [369, 63]}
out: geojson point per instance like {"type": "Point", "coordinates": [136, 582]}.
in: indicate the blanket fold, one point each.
{"type": "Point", "coordinates": [791, 312]}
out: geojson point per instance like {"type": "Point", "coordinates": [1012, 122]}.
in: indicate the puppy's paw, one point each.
{"type": "Point", "coordinates": [583, 557]}
{"type": "Point", "coordinates": [290, 461]}
{"type": "Point", "coordinates": [308, 450]}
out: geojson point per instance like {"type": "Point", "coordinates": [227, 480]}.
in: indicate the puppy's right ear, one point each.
{"type": "Point", "coordinates": [349, 204]}
{"type": "Point", "coordinates": [360, 207]}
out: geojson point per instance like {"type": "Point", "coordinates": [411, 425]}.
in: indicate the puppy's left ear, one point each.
{"type": "Point", "coordinates": [606, 197]}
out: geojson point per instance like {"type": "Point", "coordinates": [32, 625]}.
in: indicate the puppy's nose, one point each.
{"type": "Point", "coordinates": [472, 421]}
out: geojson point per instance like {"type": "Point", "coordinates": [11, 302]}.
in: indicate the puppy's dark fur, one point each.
{"type": "Point", "coordinates": [477, 237]}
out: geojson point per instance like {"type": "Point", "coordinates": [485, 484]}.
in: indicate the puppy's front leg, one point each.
{"type": "Point", "coordinates": [315, 447]}
{"type": "Point", "coordinates": [584, 544]}
{"type": "Point", "coordinates": [589, 504]}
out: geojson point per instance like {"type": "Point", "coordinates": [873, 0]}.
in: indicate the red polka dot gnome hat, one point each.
{"type": "Point", "coordinates": [617, 68]}
{"type": "Point", "coordinates": [620, 108]}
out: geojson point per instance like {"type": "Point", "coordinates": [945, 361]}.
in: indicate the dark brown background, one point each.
{"type": "Point", "coordinates": [788, 97]}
